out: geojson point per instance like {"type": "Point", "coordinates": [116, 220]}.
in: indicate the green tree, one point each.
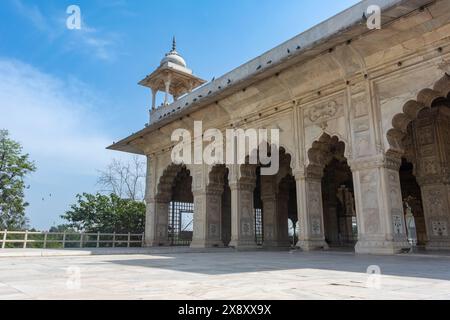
{"type": "Point", "coordinates": [106, 214]}
{"type": "Point", "coordinates": [14, 166]}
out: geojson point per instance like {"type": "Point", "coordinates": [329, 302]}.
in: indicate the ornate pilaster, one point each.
{"type": "Point", "coordinates": [436, 198]}
{"type": "Point", "coordinates": [157, 208]}
{"type": "Point", "coordinates": [156, 223]}
{"type": "Point", "coordinates": [310, 211]}
{"type": "Point", "coordinates": [431, 134]}
{"type": "Point", "coordinates": [207, 218]}
{"type": "Point", "coordinates": [207, 210]}
{"type": "Point", "coordinates": [242, 209]}
{"type": "Point", "coordinates": [379, 206]}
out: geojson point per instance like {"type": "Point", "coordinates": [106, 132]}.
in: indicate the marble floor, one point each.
{"type": "Point", "coordinates": [226, 275]}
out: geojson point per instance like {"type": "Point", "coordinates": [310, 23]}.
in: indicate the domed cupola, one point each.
{"type": "Point", "coordinates": [174, 57]}
{"type": "Point", "coordinates": [172, 77]}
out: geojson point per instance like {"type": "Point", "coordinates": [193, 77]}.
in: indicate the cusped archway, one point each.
{"type": "Point", "coordinates": [175, 206]}
{"type": "Point", "coordinates": [420, 135]}
{"type": "Point", "coordinates": [426, 99]}
{"type": "Point", "coordinates": [330, 199]}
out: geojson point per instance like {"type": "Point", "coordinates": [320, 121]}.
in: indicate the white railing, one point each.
{"type": "Point", "coordinates": [69, 239]}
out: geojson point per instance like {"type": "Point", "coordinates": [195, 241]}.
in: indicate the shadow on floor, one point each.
{"type": "Point", "coordinates": [222, 263]}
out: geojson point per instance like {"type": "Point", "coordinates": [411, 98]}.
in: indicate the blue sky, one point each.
{"type": "Point", "coordinates": [67, 94]}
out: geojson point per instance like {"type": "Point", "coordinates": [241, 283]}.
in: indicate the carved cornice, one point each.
{"type": "Point", "coordinates": [433, 179]}
{"type": "Point", "coordinates": [243, 184]}
{"type": "Point", "coordinates": [381, 161]}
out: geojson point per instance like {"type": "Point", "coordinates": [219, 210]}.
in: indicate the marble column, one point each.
{"type": "Point", "coordinates": [310, 211]}
{"type": "Point", "coordinates": [379, 206]}
{"type": "Point", "coordinates": [156, 223]}
{"type": "Point", "coordinates": [157, 208]}
{"type": "Point", "coordinates": [275, 213]}
{"type": "Point", "coordinates": [207, 218]}
{"type": "Point", "coordinates": [242, 212]}
{"type": "Point", "coordinates": [431, 133]}
{"type": "Point", "coordinates": [269, 202]}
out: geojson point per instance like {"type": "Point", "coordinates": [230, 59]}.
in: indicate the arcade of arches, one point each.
{"type": "Point", "coordinates": [322, 206]}
{"type": "Point", "coordinates": [364, 151]}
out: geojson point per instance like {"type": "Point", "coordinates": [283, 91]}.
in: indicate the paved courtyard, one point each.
{"type": "Point", "coordinates": [225, 275]}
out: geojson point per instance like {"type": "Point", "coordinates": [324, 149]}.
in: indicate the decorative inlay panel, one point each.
{"type": "Point", "coordinates": [360, 106]}
{"type": "Point", "coordinates": [425, 135]}
{"type": "Point", "coordinates": [369, 187]}
{"type": "Point", "coordinates": [433, 198]}
{"type": "Point", "coordinates": [325, 111]}
{"type": "Point", "coordinates": [213, 230]}
{"type": "Point", "coordinates": [398, 224]}
{"type": "Point", "coordinates": [439, 228]}
{"type": "Point", "coordinates": [429, 166]}
{"type": "Point", "coordinates": [360, 125]}
{"type": "Point", "coordinates": [246, 228]}
{"type": "Point", "coordinates": [362, 144]}
{"type": "Point", "coordinates": [316, 226]}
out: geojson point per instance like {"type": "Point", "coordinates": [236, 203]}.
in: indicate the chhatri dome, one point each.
{"type": "Point", "coordinates": [171, 77]}
{"type": "Point", "coordinates": [173, 56]}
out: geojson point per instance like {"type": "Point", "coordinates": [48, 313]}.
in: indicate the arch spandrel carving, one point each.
{"type": "Point", "coordinates": [326, 118]}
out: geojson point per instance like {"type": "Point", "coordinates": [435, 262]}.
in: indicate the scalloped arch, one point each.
{"type": "Point", "coordinates": [426, 98]}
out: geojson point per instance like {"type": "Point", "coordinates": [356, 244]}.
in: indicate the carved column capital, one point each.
{"type": "Point", "coordinates": [392, 162]}
{"type": "Point", "coordinates": [214, 189]}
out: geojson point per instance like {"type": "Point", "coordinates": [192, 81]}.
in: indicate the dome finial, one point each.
{"type": "Point", "coordinates": [173, 56]}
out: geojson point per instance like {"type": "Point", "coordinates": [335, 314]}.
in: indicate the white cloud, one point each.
{"type": "Point", "coordinates": [88, 41]}
{"type": "Point", "coordinates": [39, 21]}
{"type": "Point", "coordinates": [93, 42]}
{"type": "Point", "coordinates": [33, 13]}
{"type": "Point", "coordinates": [49, 116]}
{"type": "Point", "coordinates": [59, 124]}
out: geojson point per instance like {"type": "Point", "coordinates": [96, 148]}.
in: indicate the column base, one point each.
{"type": "Point", "coordinates": [200, 244]}
{"type": "Point", "coordinates": [381, 247]}
{"type": "Point", "coordinates": [311, 245]}
{"type": "Point", "coordinates": [276, 244]}
{"type": "Point", "coordinates": [156, 243]}
{"type": "Point", "coordinates": [243, 245]}
{"type": "Point", "coordinates": [436, 245]}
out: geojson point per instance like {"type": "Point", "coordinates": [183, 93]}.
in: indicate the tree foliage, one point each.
{"type": "Point", "coordinates": [14, 166]}
{"type": "Point", "coordinates": [106, 214]}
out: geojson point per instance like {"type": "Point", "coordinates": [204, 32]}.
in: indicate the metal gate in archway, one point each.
{"type": "Point", "coordinates": [259, 230]}
{"type": "Point", "coordinates": [181, 223]}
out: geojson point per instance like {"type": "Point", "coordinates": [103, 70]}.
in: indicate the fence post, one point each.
{"type": "Point", "coordinates": [98, 239]}
{"type": "Point", "coordinates": [4, 239]}
{"type": "Point", "coordinates": [143, 239]}
{"type": "Point", "coordinates": [128, 239]}
{"type": "Point", "coordinates": [81, 239]}
{"type": "Point", "coordinates": [45, 240]}
{"type": "Point", "coordinates": [114, 240]}
{"type": "Point", "coordinates": [64, 240]}
{"type": "Point", "coordinates": [25, 239]}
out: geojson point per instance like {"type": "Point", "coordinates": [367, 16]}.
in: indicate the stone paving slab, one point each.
{"type": "Point", "coordinates": [225, 275]}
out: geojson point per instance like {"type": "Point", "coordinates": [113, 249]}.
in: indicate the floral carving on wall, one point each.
{"type": "Point", "coordinates": [323, 112]}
